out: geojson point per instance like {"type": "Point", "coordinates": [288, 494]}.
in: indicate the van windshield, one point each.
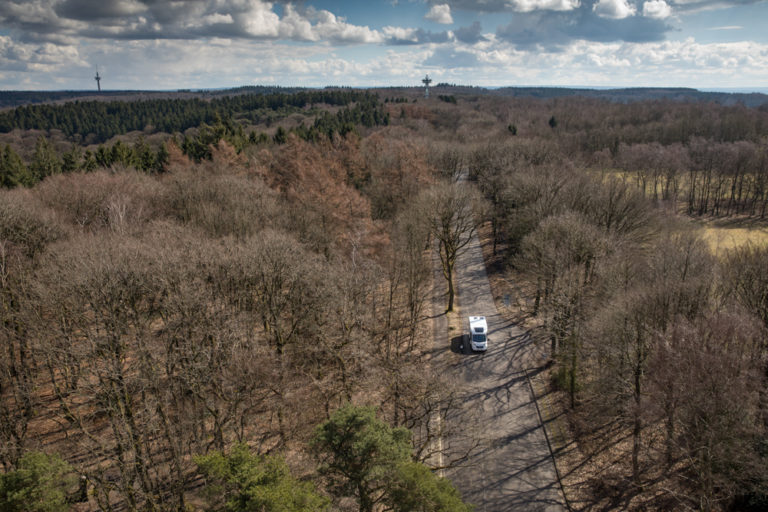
{"type": "Point", "coordinates": [478, 338]}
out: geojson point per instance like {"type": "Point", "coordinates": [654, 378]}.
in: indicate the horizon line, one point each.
{"type": "Point", "coordinates": [739, 89]}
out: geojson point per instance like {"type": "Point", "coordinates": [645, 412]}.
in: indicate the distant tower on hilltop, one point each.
{"type": "Point", "coordinates": [98, 80]}
{"type": "Point", "coordinates": [426, 83]}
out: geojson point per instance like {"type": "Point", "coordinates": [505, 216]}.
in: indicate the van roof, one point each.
{"type": "Point", "coordinates": [478, 321]}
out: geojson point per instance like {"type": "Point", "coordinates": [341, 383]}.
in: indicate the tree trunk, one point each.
{"type": "Point", "coordinates": [451, 291]}
{"type": "Point", "coordinates": [366, 504]}
{"type": "Point", "coordinates": [494, 224]}
{"type": "Point", "coordinates": [670, 427]}
{"type": "Point", "coordinates": [637, 428]}
{"type": "Point", "coordinates": [572, 376]}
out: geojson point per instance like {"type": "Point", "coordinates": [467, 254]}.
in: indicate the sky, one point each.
{"type": "Point", "coordinates": [191, 44]}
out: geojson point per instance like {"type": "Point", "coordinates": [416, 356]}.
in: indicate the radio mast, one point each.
{"type": "Point", "coordinates": [426, 83]}
{"type": "Point", "coordinates": [98, 80]}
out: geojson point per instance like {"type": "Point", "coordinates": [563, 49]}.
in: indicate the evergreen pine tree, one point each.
{"type": "Point", "coordinates": [70, 161]}
{"type": "Point", "coordinates": [13, 172]}
{"type": "Point", "coordinates": [245, 482]}
{"type": "Point", "coordinates": [38, 484]}
{"type": "Point", "coordinates": [45, 161]}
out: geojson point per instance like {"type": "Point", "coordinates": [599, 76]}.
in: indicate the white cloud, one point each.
{"type": "Point", "coordinates": [688, 62]}
{"type": "Point", "coordinates": [28, 12]}
{"type": "Point", "coordinates": [52, 20]}
{"type": "Point", "coordinates": [689, 2]}
{"type": "Point", "coordinates": [546, 5]}
{"type": "Point", "coordinates": [217, 43]}
{"type": "Point", "coordinates": [165, 64]}
{"type": "Point", "coordinates": [212, 19]}
{"type": "Point", "coordinates": [514, 5]}
{"type": "Point", "coordinates": [42, 58]}
{"type": "Point", "coordinates": [258, 20]}
{"type": "Point", "coordinates": [440, 13]}
{"type": "Point", "coordinates": [401, 33]}
{"type": "Point", "coordinates": [330, 27]}
{"type": "Point", "coordinates": [657, 9]}
{"type": "Point", "coordinates": [295, 26]}
{"type": "Point", "coordinates": [614, 9]}
{"type": "Point", "coordinates": [445, 57]}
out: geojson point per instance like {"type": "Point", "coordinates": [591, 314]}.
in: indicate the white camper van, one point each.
{"type": "Point", "coordinates": [478, 333]}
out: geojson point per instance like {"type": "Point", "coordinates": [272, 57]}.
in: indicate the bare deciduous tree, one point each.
{"type": "Point", "coordinates": [713, 367]}
{"type": "Point", "coordinates": [451, 211]}
{"type": "Point", "coordinates": [563, 254]}
{"type": "Point", "coordinates": [746, 278]}
{"type": "Point", "coordinates": [675, 280]}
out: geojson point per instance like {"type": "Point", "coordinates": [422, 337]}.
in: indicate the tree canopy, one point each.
{"type": "Point", "coordinates": [240, 481]}
{"type": "Point", "coordinates": [39, 483]}
{"type": "Point", "coordinates": [364, 457]}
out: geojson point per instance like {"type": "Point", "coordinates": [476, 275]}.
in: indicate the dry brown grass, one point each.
{"type": "Point", "coordinates": [721, 235]}
{"type": "Point", "coordinates": [724, 237]}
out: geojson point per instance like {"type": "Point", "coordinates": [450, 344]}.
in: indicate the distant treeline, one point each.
{"type": "Point", "coordinates": [18, 98]}
{"type": "Point", "coordinates": [635, 94]}
{"type": "Point", "coordinates": [106, 119]}
{"type": "Point", "coordinates": [197, 145]}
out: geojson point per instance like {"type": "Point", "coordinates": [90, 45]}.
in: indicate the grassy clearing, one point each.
{"type": "Point", "coordinates": [723, 237]}
{"type": "Point", "coordinates": [720, 235]}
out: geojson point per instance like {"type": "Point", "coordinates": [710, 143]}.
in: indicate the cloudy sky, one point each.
{"type": "Point", "coordinates": [170, 44]}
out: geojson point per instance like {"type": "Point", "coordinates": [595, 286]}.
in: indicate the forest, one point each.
{"type": "Point", "coordinates": [218, 312]}
{"type": "Point", "coordinates": [19, 98]}
{"type": "Point", "coordinates": [204, 124]}
{"type": "Point", "coordinates": [97, 121]}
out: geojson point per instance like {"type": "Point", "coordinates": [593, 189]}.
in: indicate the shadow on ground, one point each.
{"type": "Point", "coordinates": [460, 345]}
